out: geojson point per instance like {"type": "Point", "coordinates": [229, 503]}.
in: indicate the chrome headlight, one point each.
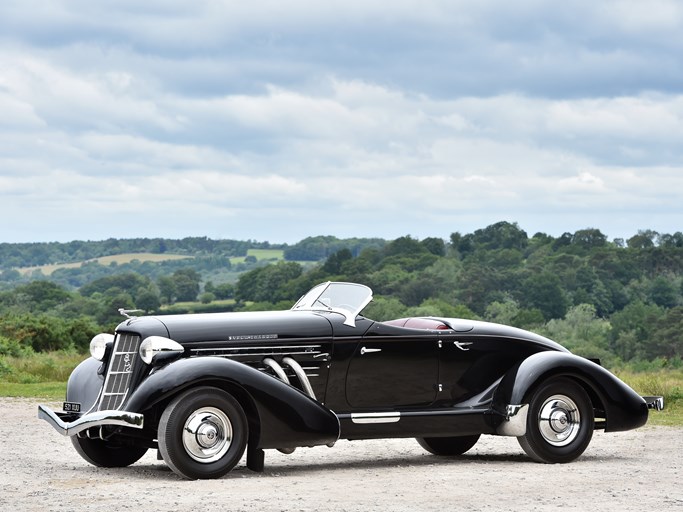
{"type": "Point", "coordinates": [155, 348]}
{"type": "Point", "coordinates": [98, 345]}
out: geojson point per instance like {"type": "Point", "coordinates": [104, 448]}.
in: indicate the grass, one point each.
{"type": "Point", "coordinates": [52, 391]}
{"type": "Point", "coordinates": [119, 259]}
{"type": "Point", "coordinates": [666, 383]}
{"type": "Point", "coordinates": [42, 375]}
{"type": "Point", "coordinates": [261, 255]}
{"type": "Point", "coordinates": [40, 367]}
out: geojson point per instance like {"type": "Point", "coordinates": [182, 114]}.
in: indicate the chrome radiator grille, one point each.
{"type": "Point", "coordinates": [120, 370]}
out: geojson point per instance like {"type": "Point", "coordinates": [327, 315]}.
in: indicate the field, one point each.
{"type": "Point", "coordinates": [119, 259]}
{"type": "Point", "coordinates": [260, 255]}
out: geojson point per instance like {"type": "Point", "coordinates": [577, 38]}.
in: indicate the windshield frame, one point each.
{"type": "Point", "coordinates": [334, 297]}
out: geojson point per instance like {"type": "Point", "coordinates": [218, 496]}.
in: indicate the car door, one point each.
{"type": "Point", "coordinates": [388, 370]}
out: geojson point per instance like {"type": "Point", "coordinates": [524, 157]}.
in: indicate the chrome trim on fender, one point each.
{"type": "Point", "coordinates": [94, 419]}
{"type": "Point", "coordinates": [515, 421]}
{"type": "Point", "coordinates": [375, 417]}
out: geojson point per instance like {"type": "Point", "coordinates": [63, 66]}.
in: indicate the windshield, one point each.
{"type": "Point", "coordinates": [345, 298]}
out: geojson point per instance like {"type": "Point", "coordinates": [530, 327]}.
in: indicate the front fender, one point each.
{"type": "Point", "coordinates": [624, 408]}
{"type": "Point", "coordinates": [286, 417]}
{"type": "Point", "coordinates": [85, 384]}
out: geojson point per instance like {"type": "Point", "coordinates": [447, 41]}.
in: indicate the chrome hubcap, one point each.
{"type": "Point", "coordinates": [207, 434]}
{"type": "Point", "coordinates": [559, 420]}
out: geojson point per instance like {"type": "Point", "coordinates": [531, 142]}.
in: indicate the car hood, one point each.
{"type": "Point", "coordinates": [238, 327]}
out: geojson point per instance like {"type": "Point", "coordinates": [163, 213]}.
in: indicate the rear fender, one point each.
{"type": "Point", "coordinates": [287, 418]}
{"type": "Point", "coordinates": [624, 408]}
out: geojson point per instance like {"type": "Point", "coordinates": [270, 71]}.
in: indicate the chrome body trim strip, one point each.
{"type": "Point", "coordinates": [515, 421]}
{"type": "Point", "coordinates": [363, 418]}
{"type": "Point", "coordinates": [93, 419]}
{"type": "Point", "coordinates": [307, 349]}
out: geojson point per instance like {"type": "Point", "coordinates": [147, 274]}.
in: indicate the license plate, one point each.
{"type": "Point", "coordinates": [71, 407]}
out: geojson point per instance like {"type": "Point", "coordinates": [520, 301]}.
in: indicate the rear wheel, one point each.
{"type": "Point", "coordinates": [560, 422]}
{"type": "Point", "coordinates": [448, 445]}
{"type": "Point", "coordinates": [107, 454]}
{"type": "Point", "coordinates": [203, 433]}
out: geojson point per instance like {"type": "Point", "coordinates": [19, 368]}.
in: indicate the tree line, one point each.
{"type": "Point", "coordinates": [18, 255]}
{"type": "Point", "coordinates": [619, 300]}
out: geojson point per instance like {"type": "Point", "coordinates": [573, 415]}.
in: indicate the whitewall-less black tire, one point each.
{"type": "Point", "coordinates": [107, 454]}
{"type": "Point", "coordinates": [560, 422]}
{"type": "Point", "coordinates": [448, 446]}
{"type": "Point", "coordinates": [203, 433]}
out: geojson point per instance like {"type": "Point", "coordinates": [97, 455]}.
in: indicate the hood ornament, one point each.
{"type": "Point", "coordinates": [124, 312]}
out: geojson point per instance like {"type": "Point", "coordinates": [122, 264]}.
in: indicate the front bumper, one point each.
{"type": "Point", "coordinates": [654, 402]}
{"type": "Point", "coordinates": [93, 419]}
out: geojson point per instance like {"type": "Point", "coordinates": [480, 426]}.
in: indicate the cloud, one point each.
{"type": "Point", "coordinates": [276, 121]}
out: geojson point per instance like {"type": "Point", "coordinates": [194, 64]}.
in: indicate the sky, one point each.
{"type": "Point", "coordinates": [274, 121]}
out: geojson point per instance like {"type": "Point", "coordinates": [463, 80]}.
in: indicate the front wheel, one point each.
{"type": "Point", "coordinates": [449, 446]}
{"type": "Point", "coordinates": [107, 454]}
{"type": "Point", "coordinates": [203, 433]}
{"type": "Point", "coordinates": [560, 422]}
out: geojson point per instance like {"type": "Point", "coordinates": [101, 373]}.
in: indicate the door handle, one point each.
{"type": "Point", "coordinates": [364, 350]}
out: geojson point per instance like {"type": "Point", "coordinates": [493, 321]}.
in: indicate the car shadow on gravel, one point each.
{"type": "Point", "coordinates": [281, 466]}
{"type": "Point", "coordinates": [297, 468]}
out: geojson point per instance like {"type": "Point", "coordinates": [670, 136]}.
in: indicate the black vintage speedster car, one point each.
{"type": "Point", "coordinates": [203, 388]}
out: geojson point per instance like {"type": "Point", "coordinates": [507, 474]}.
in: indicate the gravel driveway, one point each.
{"type": "Point", "coordinates": [639, 470]}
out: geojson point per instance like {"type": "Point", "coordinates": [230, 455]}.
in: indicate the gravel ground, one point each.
{"type": "Point", "coordinates": [639, 470]}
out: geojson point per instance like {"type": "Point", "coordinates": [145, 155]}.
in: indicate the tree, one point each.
{"type": "Point", "coordinates": [223, 291]}
{"type": "Point", "coordinates": [167, 289]}
{"type": "Point", "coordinates": [268, 283]}
{"type": "Point", "coordinates": [382, 309]}
{"type": "Point", "coordinates": [675, 240]}
{"type": "Point", "coordinates": [589, 238]}
{"type": "Point", "coordinates": [41, 333]}
{"type": "Point", "coordinates": [544, 292]}
{"type": "Point", "coordinates": [434, 245]}
{"type": "Point", "coordinates": [334, 262]}
{"type": "Point", "coordinates": [207, 298]}
{"type": "Point", "coordinates": [501, 235]}
{"type": "Point", "coordinates": [147, 300]}
{"type": "Point", "coordinates": [667, 339]}
{"type": "Point", "coordinates": [126, 281]}
{"type": "Point", "coordinates": [186, 283]}
{"type": "Point", "coordinates": [632, 330]}
{"type": "Point", "coordinates": [41, 295]}
{"type": "Point", "coordinates": [581, 332]}
{"type": "Point", "coordinates": [663, 292]}
{"type": "Point", "coordinates": [643, 240]}
{"type": "Point", "coordinates": [478, 285]}
{"type": "Point", "coordinates": [404, 246]}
